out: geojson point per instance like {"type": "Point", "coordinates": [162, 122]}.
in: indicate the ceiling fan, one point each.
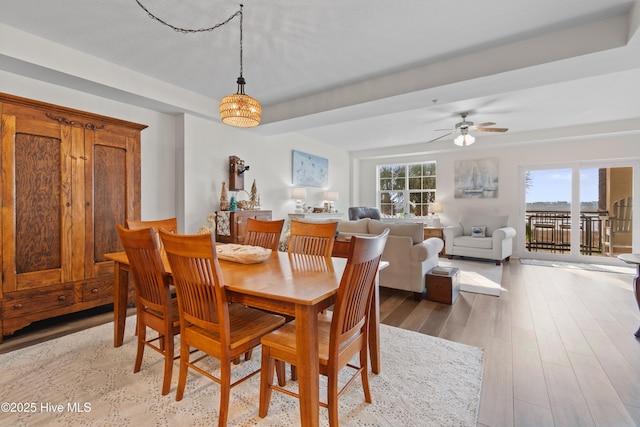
{"type": "Point", "coordinates": [462, 128]}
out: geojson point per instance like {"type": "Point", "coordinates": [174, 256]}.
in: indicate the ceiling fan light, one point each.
{"type": "Point", "coordinates": [464, 140]}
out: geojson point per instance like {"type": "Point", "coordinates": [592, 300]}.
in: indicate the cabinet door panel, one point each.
{"type": "Point", "coordinates": [109, 196]}
{"type": "Point", "coordinates": [36, 193]}
{"type": "Point", "coordinates": [37, 211]}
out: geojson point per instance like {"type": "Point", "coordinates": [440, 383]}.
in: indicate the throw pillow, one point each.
{"type": "Point", "coordinates": [478, 231]}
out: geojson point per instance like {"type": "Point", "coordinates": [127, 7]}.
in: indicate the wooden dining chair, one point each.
{"type": "Point", "coordinates": [265, 234]}
{"type": "Point", "coordinates": [308, 238]}
{"type": "Point", "coordinates": [262, 233]}
{"type": "Point", "coordinates": [207, 321]}
{"type": "Point", "coordinates": [169, 224]}
{"type": "Point", "coordinates": [341, 335]}
{"type": "Point", "coordinates": [155, 307]}
{"type": "Point", "coordinates": [312, 238]}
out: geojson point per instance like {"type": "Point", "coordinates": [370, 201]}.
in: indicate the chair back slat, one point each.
{"type": "Point", "coordinates": [199, 285]}
{"type": "Point", "coordinates": [304, 263]}
{"type": "Point", "coordinates": [262, 233]}
{"type": "Point", "coordinates": [351, 310]}
{"type": "Point", "coordinates": [311, 238]}
{"type": "Point", "coordinates": [150, 279]}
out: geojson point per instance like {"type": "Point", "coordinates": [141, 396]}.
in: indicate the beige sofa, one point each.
{"type": "Point", "coordinates": [410, 257]}
{"type": "Point", "coordinates": [493, 240]}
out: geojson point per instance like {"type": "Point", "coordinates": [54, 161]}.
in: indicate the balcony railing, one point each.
{"type": "Point", "coordinates": [550, 231]}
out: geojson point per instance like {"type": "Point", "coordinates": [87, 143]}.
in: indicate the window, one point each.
{"type": "Point", "coordinates": [406, 189]}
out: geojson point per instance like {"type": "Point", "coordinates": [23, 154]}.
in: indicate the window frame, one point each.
{"type": "Point", "coordinates": [416, 205]}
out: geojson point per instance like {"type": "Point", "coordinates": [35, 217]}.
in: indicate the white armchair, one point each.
{"type": "Point", "coordinates": [480, 236]}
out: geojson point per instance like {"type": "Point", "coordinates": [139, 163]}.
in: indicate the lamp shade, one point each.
{"type": "Point", "coordinates": [299, 193]}
{"type": "Point", "coordinates": [331, 196]}
{"type": "Point", "coordinates": [240, 110]}
{"type": "Point", "coordinates": [435, 207]}
{"type": "Point", "coordinates": [464, 140]}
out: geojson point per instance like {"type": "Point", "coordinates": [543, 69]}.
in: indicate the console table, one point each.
{"type": "Point", "coordinates": [314, 216]}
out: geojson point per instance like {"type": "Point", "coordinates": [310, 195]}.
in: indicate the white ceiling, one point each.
{"type": "Point", "coordinates": [367, 74]}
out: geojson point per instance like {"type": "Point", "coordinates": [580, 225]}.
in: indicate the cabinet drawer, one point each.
{"type": "Point", "coordinates": [16, 304]}
{"type": "Point", "coordinates": [97, 289]}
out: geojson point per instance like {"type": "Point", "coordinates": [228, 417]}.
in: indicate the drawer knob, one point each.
{"type": "Point", "coordinates": [94, 290]}
{"type": "Point", "coordinates": [62, 297]}
{"type": "Point", "coordinates": [17, 306]}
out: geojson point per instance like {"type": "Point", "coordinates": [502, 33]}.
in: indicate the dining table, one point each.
{"type": "Point", "coordinates": [290, 284]}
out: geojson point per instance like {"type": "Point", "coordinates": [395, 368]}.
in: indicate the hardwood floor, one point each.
{"type": "Point", "coordinates": [559, 343]}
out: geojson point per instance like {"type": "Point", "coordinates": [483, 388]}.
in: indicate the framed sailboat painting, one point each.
{"type": "Point", "coordinates": [476, 179]}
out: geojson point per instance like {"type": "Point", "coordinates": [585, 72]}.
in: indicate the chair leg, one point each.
{"type": "Point", "coordinates": [248, 354]}
{"type": "Point", "coordinates": [168, 363]}
{"type": "Point", "coordinates": [266, 379]}
{"type": "Point", "coordinates": [225, 391]}
{"type": "Point", "coordinates": [365, 375]}
{"type": "Point", "coordinates": [142, 330]}
{"type": "Point", "coordinates": [182, 378]}
{"type": "Point", "coordinates": [281, 373]}
{"type": "Point", "coordinates": [332, 397]}
{"type": "Point", "coordinates": [294, 373]}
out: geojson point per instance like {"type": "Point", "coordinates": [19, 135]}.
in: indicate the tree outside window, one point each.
{"type": "Point", "coordinates": [406, 189]}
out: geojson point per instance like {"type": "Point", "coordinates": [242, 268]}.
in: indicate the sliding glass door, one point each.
{"type": "Point", "coordinates": [577, 211]}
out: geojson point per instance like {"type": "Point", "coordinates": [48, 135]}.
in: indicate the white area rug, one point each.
{"type": "Point", "coordinates": [480, 277]}
{"type": "Point", "coordinates": [425, 381]}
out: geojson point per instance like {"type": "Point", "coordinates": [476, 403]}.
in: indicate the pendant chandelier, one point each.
{"type": "Point", "coordinates": [239, 109]}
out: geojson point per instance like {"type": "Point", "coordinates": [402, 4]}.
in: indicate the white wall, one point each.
{"type": "Point", "coordinates": [207, 147]}
{"type": "Point", "coordinates": [185, 158]}
{"type": "Point", "coordinates": [511, 159]}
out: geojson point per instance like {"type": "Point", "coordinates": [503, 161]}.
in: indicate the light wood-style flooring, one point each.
{"type": "Point", "coordinates": [559, 343]}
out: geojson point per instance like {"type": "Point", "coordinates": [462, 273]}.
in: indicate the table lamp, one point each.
{"type": "Point", "coordinates": [434, 209]}
{"type": "Point", "coordinates": [331, 197]}
{"type": "Point", "coordinates": [299, 194]}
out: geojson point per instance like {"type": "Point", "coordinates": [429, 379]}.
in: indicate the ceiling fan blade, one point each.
{"type": "Point", "coordinates": [481, 125]}
{"type": "Point", "coordinates": [440, 137]}
{"type": "Point", "coordinates": [481, 129]}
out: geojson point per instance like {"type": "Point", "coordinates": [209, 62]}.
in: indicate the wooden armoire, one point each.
{"type": "Point", "coordinates": [68, 177]}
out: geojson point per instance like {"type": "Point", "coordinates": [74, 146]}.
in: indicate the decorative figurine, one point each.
{"type": "Point", "coordinates": [233, 206]}
{"type": "Point", "coordinates": [253, 197]}
{"type": "Point", "coordinates": [224, 201]}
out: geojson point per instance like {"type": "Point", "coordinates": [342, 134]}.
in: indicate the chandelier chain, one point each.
{"type": "Point", "coordinates": [239, 109]}
{"type": "Point", "coordinates": [241, 18]}
{"type": "Point", "coordinates": [197, 30]}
